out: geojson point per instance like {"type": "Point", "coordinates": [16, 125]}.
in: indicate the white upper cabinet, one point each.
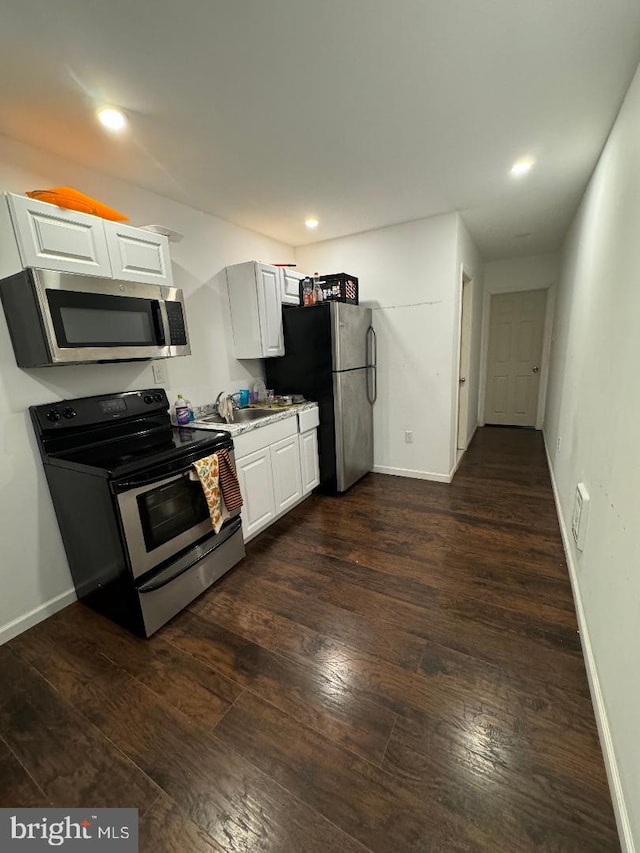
{"type": "Point", "coordinates": [37, 234]}
{"type": "Point", "coordinates": [291, 286]}
{"type": "Point", "coordinates": [55, 238]}
{"type": "Point", "coordinates": [138, 255]}
{"type": "Point", "coordinates": [255, 299]}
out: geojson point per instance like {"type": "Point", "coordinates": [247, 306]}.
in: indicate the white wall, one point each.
{"type": "Point", "coordinates": [410, 275]}
{"type": "Point", "coordinates": [516, 274]}
{"type": "Point", "coordinates": [33, 568]}
{"type": "Point", "coordinates": [593, 407]}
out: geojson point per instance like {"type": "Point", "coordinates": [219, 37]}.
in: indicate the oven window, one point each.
{"type": "Point", "coordinates": [168, 511]}
{"type": "Point", "coordinates": [102, 320]}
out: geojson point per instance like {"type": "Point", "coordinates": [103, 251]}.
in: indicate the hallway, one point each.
{"type": "Point", "coordinates": [395, 670]}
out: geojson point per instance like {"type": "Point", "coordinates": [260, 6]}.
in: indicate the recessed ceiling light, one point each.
{"type": "Point", "coordinates": [521, 167]}
{"type": "Point", "coordinates": [311, 222]}
{"type": "Point", "coordinates": [112, 118]}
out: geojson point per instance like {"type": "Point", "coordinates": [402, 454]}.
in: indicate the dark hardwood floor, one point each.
{"type": "Point", "coordinates": [395, 670]}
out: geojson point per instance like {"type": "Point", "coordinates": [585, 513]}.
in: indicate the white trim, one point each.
{"type": "Point", "coordinates": [277, 517]}
{"type": "Point", "coordinates": [38, 614]}
{"type": "Point", "coordinates": [597, 699]}
{"type": "Point", "coordinates": [412, 474]}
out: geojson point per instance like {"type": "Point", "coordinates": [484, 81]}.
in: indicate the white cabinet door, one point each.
{"type": "Point", "coordinates": [309, 460]}
{"type": "Point", "coordinates": [256, 484]}
{"type": "Point", "coordinates": [55, 238]}
{"type": "Point", "coordinates": [291, 286]}
{"type": "Point", "coordinates": [138, 255]}
{"type": "Point", "coordinates": [287, 479]}
{"type": "Point", "coordinates": [270, 310]}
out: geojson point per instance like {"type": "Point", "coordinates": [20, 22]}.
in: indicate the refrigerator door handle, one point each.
{"type": "Point", "coordinates": [373, 364]}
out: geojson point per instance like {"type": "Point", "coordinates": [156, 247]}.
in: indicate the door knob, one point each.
{"type": "Point", "coordinates": [536, 370]}
{"type": "Point", "coordinates": [462, 380]}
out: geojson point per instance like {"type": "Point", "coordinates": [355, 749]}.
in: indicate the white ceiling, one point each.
{"type": "Point", "coordinates": [363, 112]}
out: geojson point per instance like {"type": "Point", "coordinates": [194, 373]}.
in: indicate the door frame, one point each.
{"type": "Point", "coordinates": [455, 454]}
{"type": "Point", "coordinates": [465, 334]}
{"type": "Point", "coordinates": [546, 346]}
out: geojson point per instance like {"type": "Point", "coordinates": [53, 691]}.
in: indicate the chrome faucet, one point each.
{"type": "Point", "coordinates": [234, 405]}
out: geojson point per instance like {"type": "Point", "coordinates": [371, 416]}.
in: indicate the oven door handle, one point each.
{"type": "Point", "coordinates": [159, 475]}
{"type": "Point", "coordinates": [153, 585]}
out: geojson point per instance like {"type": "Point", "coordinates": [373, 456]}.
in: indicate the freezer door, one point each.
{"type": "Point", "coordinates": [349, 326]}
{"type": "Point", "coordinates": [353, 426]}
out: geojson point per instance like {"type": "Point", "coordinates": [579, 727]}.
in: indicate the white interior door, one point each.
{"type": "Point", "coordinates": [516, 330]}
{"type": "Point", "coordinates": [465, 364]}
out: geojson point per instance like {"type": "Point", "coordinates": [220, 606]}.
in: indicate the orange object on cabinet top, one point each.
{"type": "Point", "coordinates": [75, 200]}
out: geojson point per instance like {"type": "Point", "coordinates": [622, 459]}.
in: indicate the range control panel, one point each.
{"type": "Point", "coordinates": [89, 411]}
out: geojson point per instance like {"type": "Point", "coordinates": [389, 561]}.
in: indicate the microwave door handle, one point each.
{"type": "Point", "coordinates": [159, 322]}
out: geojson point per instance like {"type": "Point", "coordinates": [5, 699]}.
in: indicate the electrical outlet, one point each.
{"type": "Point", "coordinates": [159, 374]}
{"type": "Point", "coordinates": [580, 514]}
{"type": "Point", "coordinates": [558, 443]}
{"type": "Point", "coordinates": [408, 436]}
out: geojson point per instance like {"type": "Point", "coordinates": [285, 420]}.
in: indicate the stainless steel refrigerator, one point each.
{"type": "Point", "coordinates": [330, 357]}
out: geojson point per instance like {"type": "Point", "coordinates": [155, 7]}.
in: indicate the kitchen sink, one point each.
{"type": "Point", "coordinates": [242, 416]}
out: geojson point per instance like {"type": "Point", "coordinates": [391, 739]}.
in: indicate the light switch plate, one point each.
{"type": "Point", "coordinates": [159, 374]}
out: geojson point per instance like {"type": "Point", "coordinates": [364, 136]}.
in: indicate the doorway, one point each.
{"type": "Point", "coordinates": [516, 330]}
{"type": "Point", "coordinates": [466, 317]}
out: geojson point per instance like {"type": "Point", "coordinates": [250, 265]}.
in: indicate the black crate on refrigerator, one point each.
{"type": "Point", "coordinates": [340, 287]}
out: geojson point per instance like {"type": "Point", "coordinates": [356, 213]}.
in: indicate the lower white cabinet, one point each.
{"type": "Point", "coordinates": [277, 467]}
{"type": "Point", "coordinates": [309, 460]}
{"type": "Point", "coordinates": [287, 479]}
{"type": "Point", "coordinates": [256, 484]}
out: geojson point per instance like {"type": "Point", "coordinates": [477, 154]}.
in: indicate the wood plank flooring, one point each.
{"type": "Point", "coordinates": [394, 670]}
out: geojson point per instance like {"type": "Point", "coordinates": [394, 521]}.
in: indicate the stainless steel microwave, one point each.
{"type": "Point", "coordinates": [64, 318]}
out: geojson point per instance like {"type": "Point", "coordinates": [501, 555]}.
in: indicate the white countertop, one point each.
{"type": "Point", "coordinates": [278, 414]}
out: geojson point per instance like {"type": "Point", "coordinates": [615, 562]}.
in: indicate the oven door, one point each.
{"type": "Point", "coordinates": [161, 517]}
{"type": "Point", "coordinates": [86, 318]}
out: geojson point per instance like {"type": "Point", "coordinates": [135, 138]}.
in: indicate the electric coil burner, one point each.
{"type": "Point", "coordinates": [134, 520]}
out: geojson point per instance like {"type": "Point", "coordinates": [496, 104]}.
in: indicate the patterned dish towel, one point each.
{"type": "Point", "coordinates": [220, 486]}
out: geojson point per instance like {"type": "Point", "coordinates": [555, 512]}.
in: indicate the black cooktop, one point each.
{"type": "Point", "coordinates": [115, 435]}
{"type": "Point", "coordinates": [128, 455]}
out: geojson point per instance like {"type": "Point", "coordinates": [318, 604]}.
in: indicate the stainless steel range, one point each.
{"type": "Point", "coordinates": [133, 517]}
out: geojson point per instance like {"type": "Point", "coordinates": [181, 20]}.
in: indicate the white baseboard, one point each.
{"type": "Point", "coordinates": [602, 722]}
{"type": "Point", "coordinates": [412, 473]}
{"type": "Point", "coordinates": [38, 614]}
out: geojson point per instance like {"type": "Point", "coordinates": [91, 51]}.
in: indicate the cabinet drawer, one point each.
{"type": "Point", "coordinates": [138, 255]}
{"type": "Point", "coordinates": [55, 238]}
{"type": "Point", "coordinates": [308, 420]}
{"type": "Point", "coordinates": [250, 442]}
